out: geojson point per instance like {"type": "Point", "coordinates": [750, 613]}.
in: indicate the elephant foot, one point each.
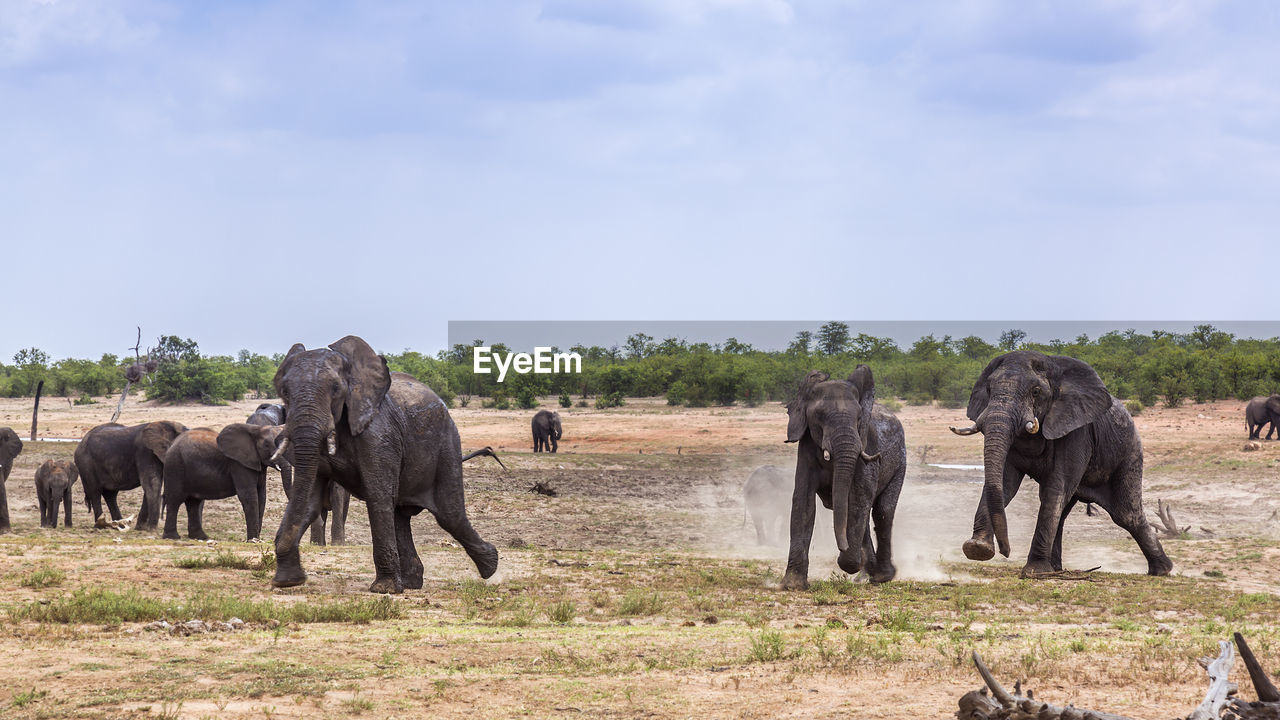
{"type": "Point", "coordinates": [167, 535]}
{"type": "Point", "coordinates": [288, 577]}
{"type": "Point", "coordinates": [849, 563]}
{"type": "Point", "coordinates": [976, 549]}
{"type": "Point", "coordinates": [1160, 568]}
{"type": "Point", "coordinates": [486, 560]}
{"type": "Point", "coordinates": [199, 536]}
{"type": "Point", "coordinates": [387, 586]}
{"type": "Point", "coordinates": [882, 575]}
{"type": "Point", "coordinates": [795, 581]}
{"type": "Point", "coordinates": [1035, 568]}
{"type": "Point", "coordinates": [412, 575]}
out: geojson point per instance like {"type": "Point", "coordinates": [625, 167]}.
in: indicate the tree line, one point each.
{"type": "Point", "coordinates": [1159, 367]}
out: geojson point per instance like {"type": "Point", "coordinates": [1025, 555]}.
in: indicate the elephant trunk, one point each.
{"type": "Point", "coordinates": [998, 436]}
{"type": "Point", "coordinates": [307, 432]}
{"type": "Point", "coordinates": [846, 454]}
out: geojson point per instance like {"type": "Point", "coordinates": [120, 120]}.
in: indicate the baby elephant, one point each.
{"type": "Point", "coordinates": [546, 431]}
{"type": "Point", "coordinates": [204, 465]}
{"type": "Point", "coordinates": [767, 496]}
{"type": "Point", "coordinates": [53, 486]}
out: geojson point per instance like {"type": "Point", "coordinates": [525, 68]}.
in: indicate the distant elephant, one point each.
{"type": "Point", "coordinates": [767, 497]}
{"type": "Point", "coordinates": [546, 431]}
{"type": "Point", "coordinates": [1050, 417]}
{"type": "Point", "coordinates": [10, 446]}
{"type": "Point", "coordinates": [113, 457]}
{"type": "Point", "coordinates": [54, 479]}
{"type": "Point", "coordinates": [337, 499]}
{"type": "Point", "coordinates": [853, 456]}
{"type": "Point", "coordinates": [386, 438]}
{"type": "Point", "coordinates": [1262, 411]}
{"type": "Point", "coordinates": [205, 465]}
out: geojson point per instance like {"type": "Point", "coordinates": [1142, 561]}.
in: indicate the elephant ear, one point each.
{"type": "Point", "coordinates": [11, 446]}
{"type": "Point", "coordinates": [797, 416]}
{"type": "Point", "coordinates": [980, 395]}
{"type": "Point", "coordinates": [158, 436]}
{"type": "Point", "coordinates": [368, 380]}
{"type": "Point", "coordinates": [283, 370]}
{"type": "Point", "coordinates": [72, 472]}
{"type": "Point", "coordinates": [1273, 404]}
{"type": "Point", "coordinates": [862, 381]}
{"type": "Point", "coordinates": [249, 445]}
{"type": "Point", "coordinates": [1079, 396]}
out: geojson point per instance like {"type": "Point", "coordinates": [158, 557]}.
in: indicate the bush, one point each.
{"type": "Point", "coordinates": [84, 399]}
{"type": "Point", "coordinates": [919, 398]}
{"type": "Point", "coordinates": [612, 400]}
{"type": "Point", "coordinates": [1134, 406]}
{"type": "Point", "coordinates": [890, 403]}
{"type": "Point", "coordinates": [525, 399]}
{"type": "Point", "coordinates": [565, 400]}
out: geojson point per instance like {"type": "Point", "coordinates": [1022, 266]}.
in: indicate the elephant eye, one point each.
{"type": "Point", "coordinates": [1035, 389]}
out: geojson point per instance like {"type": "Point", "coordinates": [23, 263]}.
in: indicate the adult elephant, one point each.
{"type": "Point", "coordinates": [1262, 410]}
{"type": "Point", "coordinates": [113, 457]}
{"type": "Point", "coordinates": [766, 495]}
{"type": "Point", "coordinates": [386, 438]}
{"type": "Point", "coordinates": [54, 479]}
{"type": "Point", "coordinates": [337, 497]}
{"type": "Point", "coordinates": [10, 446]}
{"type": "Point", "coordinates": [205, 465]}
{"type": "Point", "coordinates": [546, 431]}
{"type": "Point", "coordinates": [852, 455]}
{"type": "Point", "coordinates": [1051, 417]}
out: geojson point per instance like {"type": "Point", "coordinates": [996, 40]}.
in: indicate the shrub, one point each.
{"type": "Point", "coordinates": [561, 612]}
{"type": "Point", "coordinates": [526, 399]}
{"type": "Point", "coordinates": [611, 400]}
{"type": "Point", "coordinates": [768, 646]}
{"type": "Point", "coordinates": [84, 399]}
{"type": "Point", "coordinates": [1134, 406]}
{"type": "Point", "coordinates": [919, 398]}
{"type": "Point", "coordinates": [890, 403]}
{"type": "Point", "coordinates": [565, 400]}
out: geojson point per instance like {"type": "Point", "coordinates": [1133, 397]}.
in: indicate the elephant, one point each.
{"type": "Point", "coordinates": [546, 431]}
{"type": "Point", "coordinates": [852, 455]}
{"type": "Point", "coordinates": [113, 457]}
{"type": "Point", "coordinates": [205, 465]}
{"type": "Point", "coordinates": [338, 499]}
{"type": "Point", "coordinates": [54, 479]}
{"type": "Point", "coordinates": [1051, 418]}
{"type": "Point", "coordinates": [766, 496]}
{"type": "Point", "coordinates": [1262, 411]}
{"type": "Point", "coordinates": [10, 447]}
{"type": "Point", "coordinates": [385, 437]}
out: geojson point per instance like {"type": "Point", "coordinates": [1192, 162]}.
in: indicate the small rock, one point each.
{"type": "Point", "coordinates": [235, 623]}
{"type": "Point", "coordinates": [688, 623]}
{"type": "Point", "coordinates": [272, 624]}
{"type": "Point", "coordinates": [711, 619]}
{"type": "Point", "coordinates": [160, 625]}
{"type": "Point", "coordinates": [1164, 629]}
{"type": "Point", "coordinates": [1251, 446]}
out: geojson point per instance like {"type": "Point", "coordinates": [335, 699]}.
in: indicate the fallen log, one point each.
{"type": "Point", "coordinates": [994, 702]}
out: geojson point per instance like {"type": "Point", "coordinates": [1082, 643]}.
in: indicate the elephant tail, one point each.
{"type": "Point", "coordinates": [487, 452]}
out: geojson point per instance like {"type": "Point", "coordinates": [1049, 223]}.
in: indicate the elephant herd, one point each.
{"type": "Point", "coordinates": [348, 426]}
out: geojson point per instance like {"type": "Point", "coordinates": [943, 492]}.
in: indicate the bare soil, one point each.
{"type": "Point", "coordinates": [672, 609]}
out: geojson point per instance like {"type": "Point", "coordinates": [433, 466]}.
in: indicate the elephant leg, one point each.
{"type": "Point", "coordinates": [248, 496]}
{"type": "Point", "coordinates": [554, 443]}
{"type": "Point", "coordinates": [762, 528]}
{"type": "Point", "coordinates": [386, 557]}
{"type": "Point", "coordinates": [44, 511]}
{"type": "Point", "coordinates": [1055, 555]}
{"type": "Point", "coordinates": [149, 515]}
{"type": "Point", "coordinates": [318, 525]}
{"type": "Point", "coordinates": [109, 497]}
{"type": "Point", "coordinates": [450, 512]}
{"type": "Point", "coordinates": [172, 502]}
{"type": "Point", "coordinates": [1053, 499]}
{"type": "Point", "coordinates": [66, 502]}
{"type": "Point", "coordinates": [302, 511]}
{"type": "Point", "coordinates": [410, 563]}
{"type": "Point", "coordinates": [195, 520]}
{"type": "Point", "coordinates": [882, 513]}
{"type": "Point", "coordinates": [1124, 504]}
{"type": "Point", "coordinates": [803, 513]}
{"type": "Point", "coordinates": [340, 500]}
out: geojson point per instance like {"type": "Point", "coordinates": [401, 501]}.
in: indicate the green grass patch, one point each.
{"type": "Point", "coordinates": [639, 602]}
{"type": "Point", "coordinates": [44, 577]}
{"type": "Point", "coordinates": [109, 607]}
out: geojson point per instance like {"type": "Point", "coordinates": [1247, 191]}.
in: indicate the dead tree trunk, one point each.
{"type": "Point", "coordinates": [35, 410]}
{"type": "Point", "coordinates": [1004, 705]}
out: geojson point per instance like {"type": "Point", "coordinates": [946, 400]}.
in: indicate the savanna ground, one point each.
{"type": "Point", "coordinates": [638, 591]}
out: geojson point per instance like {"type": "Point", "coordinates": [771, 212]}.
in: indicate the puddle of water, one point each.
{"type": "Point", "coordinates": [955, 467]}
{"type": "Point", "coordinates": [48, 439]}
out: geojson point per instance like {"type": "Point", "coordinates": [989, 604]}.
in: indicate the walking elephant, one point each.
{"type": "Point", "coordinates": [853, 456]}
{"type": "Point", "coordinates": [10, 447]}
{"type": "Point", "coordinates": [546, 431]}
{"type": "Point", "coordinates": [386, 438]}
{"type": "Point", "coordinates": [767, 495]}
{"type": "Point", "coordinates": [205, 465]}
{"type": "Point", "coordinates": [54, 479]}
{"type": "Point", "coordinates": [1262, 410]}
{"type": "Point", "coordinates": [1050, 417]}
{"type": "Point", "coordinates": [113, 457]}
{"type": "Point", "coordinates": [337, 498]}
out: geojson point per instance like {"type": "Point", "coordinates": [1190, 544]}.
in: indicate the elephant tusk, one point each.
{"type": "Point", "coordinates": [332, 442]}
{"type": "Point", "coordinates": [869, 458]}
{"type": "Point", "coordinates": [279, 451]}
{"type": "Point", "coordinates": [826, 455]}
{"type": "Point", "coordinates": [972, 429]}
{"type": "Point", "coordinates": [1033, 425]}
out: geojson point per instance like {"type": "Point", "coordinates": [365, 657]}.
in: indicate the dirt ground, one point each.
{"type": "Point", "coordinates": [638, 590]}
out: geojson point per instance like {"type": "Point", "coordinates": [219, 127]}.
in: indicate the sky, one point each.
{"type": "Point", "coordinates": [254, 174]}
